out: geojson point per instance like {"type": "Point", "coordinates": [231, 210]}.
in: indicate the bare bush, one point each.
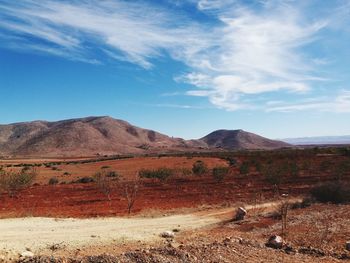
{"type": "Point", "coordinates": [11, 182]}
{"type": "Point", "coordinates": [130, 191]}
{"type": "Point", "coordinates": [104, 183]}
{"type": "Point", "coordinates": [284, 219]}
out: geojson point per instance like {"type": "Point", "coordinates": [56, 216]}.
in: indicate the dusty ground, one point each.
{"type": "Point", "coordinates": [205, 236]}
{"type": "Point", "coordinates": [40, 233]}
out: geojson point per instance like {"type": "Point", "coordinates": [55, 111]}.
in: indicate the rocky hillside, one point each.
{"type": "Point", "coordinates": [239, 139]}
{"type": "Point", "coordinates": [84, 137]}
{"type": "Point", "coordinates": [107, 136]}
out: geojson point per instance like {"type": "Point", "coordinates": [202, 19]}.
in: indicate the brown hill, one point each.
{"type": "Point", "coordinates": [84, 137]}
{"type": "Point", "coordinates": [107, 136]}
{"type": "Point", "coordinates": [239, 139]}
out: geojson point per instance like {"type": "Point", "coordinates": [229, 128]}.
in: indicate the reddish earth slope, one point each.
{"type": "Point", "coordinates": [107, 136]}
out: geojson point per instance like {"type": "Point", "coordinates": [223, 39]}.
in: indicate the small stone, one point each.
{"type": "Point", "coordinates": [275, 241]}
{"type": "Point", "coordinates": [227, 239]}
{"type": "Point", "coordinates": [27, 254]}
{"type": "Point", "coordinates": [240, 214]}
{"type": "Point", "coordinates": [167, 234]}
{"type": "Point", "coordinates": [347, 245]}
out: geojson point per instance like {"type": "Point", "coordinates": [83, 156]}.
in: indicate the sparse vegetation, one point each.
{"type": "Point", "coordinates": [103, 184]}
{"type": "Point", "coordinates": [113, 174]}
{"type": "Point", "coordinates": [130, 192]}
{"type": "Point", "coordinates": [231, 161]}
{"type": "Point", "coordinates": [162, 173]}
{"type": "Point", "coordinates": [273, 173]}
{"type": "Point", "coordinates": [84, 180]}
{"type": "Point", "coordinates": [244, 168]}
{"type": "Point", "coordinates": [186, 171]}
{"type": "Point", "coordinates": [342, 169]}
{"type": "Point", "coordinates": [220, 172]}
{"type": "Point", "coordinates": [53, 181]}
{"type": "Point", "coordinates": [11, 182]}
{"type": "Point", "coordinates": [284, 216]}
{"type": "Point", "coordinates": [199, 168]}
{"type": "Point", "coordinates": [332, 192]}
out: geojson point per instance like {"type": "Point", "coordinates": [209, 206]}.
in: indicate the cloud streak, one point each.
{"type": "Point", "coordinates": [338, 104]}
{"type": "Point", "coordinates": [134, 32]}
{"type": "Point", "coordinates": [247, 52]}
{"type": "Point", "coordinates": [256, 52]}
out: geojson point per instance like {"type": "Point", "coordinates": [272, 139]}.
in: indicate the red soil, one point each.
{"type": "Point", "coordinates": [85, 200]}
{"type": "Point", "coordinates": [127, 168]}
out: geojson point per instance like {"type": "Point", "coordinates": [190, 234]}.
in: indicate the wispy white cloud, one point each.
{"type": "Point", "coordinates": [135, 32]}
{"type": "Point", "coordinates": [206, 5]}
{"type": "Point", "coordinates": [338, 104]}
{"type": "Point", "coordinates": [178, 106]}
{"type": "Point", "coordinates": [247, 52]}
{"type": "Point", "coordinates": [172, 94]}
{"type": "Point", "coordinates": [255, 52]}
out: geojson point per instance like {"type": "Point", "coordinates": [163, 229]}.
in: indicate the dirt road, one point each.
{"type": "Point", "coordinates": [39, 233]}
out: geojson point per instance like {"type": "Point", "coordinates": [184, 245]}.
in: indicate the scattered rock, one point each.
{"type": "Point", "coordinates": [227, 240]}
{"type": "Point", "coordinates": [311, 251]}
{"type": "Point", "coordinates": [240, 214]}
{"type": "Point", "coordinates": [275, 242]}
{"type": "Point", "coordinates": [240, 240]}
{"type": "Point", "coordinates": [168, 234]}
{"type": "Point", "coordinates": [27, 254]}
{"type": "Point", "coordinates": [347, 245]}
{"type": "Point", "coordinates": [289, 249]}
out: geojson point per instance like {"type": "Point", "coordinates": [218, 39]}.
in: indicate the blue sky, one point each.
{"type": "Point", "coordinates": [184, 68]}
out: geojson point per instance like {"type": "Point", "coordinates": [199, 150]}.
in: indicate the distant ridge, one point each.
{"type": "Point", "coordinates": [107, 136]}
{"type": "Point", "coordinates": [320, 140]}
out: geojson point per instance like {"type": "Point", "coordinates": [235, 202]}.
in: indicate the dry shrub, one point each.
{"type": "Point", "coordinates": [220, 172]}
{"type": "Point", "coordinates": [162, 173]}
{"type": "Point", "coordinates": [199, 168]}
{"type": "Point", "coordinates": [53, 181]}
{"type": "Point", "coordinates": [11, 182]}
{"type": "Point", "coordinates": [130, 192]}
{"type": "Point", "coordinates": [104, 182]}
{"type": "Point", "coordinates": [334, 192]}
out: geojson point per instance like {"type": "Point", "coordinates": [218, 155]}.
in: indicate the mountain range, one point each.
{"type": "Point", "coordinates": [320, 140]}
{"type": "Point", "coordinates": [107, 136]}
